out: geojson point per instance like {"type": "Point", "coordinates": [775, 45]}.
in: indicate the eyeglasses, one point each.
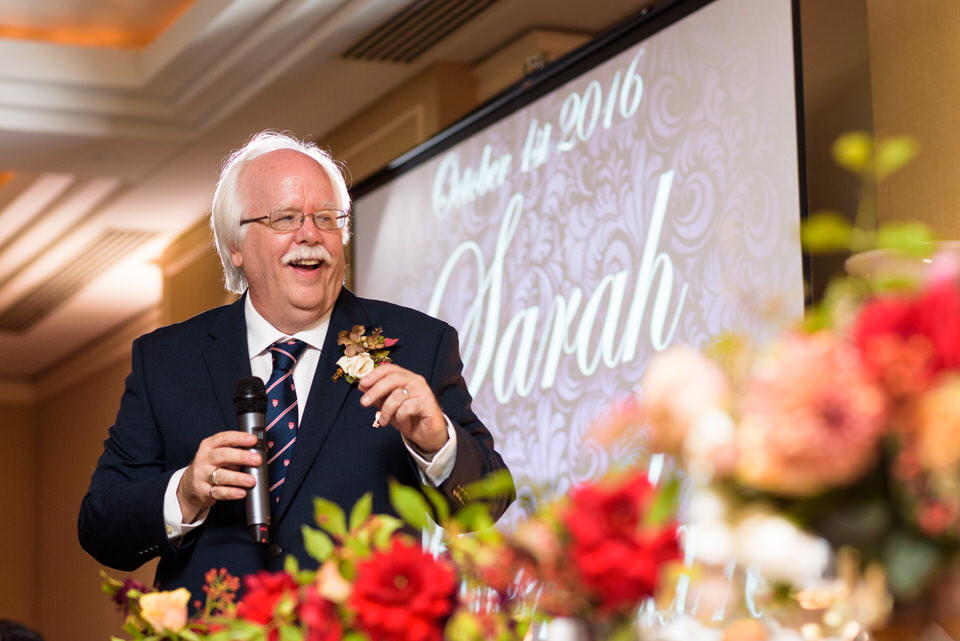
{"type": "Point", "coordinates": [292, 220]}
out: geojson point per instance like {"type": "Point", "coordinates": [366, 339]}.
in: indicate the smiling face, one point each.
{"type": "Point", "coordinates": [293, 277]}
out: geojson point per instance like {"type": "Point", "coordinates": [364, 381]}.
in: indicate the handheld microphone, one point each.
{"type": "Point", "coordinates": [250, 402]}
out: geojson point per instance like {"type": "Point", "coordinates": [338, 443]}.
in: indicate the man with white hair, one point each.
{"type": "Point", "coordinates": [171, 476]}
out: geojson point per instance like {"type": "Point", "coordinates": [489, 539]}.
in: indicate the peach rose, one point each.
{"type": "Point", "coordinates": [678, 387]}
{"type": "Point", "coordinates": [165, 611]}
{"type": "Point", "coordinates": [330, 583]}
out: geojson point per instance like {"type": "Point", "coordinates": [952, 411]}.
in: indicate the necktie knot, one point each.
{"type": "Point", "coordinates": [286, 353]}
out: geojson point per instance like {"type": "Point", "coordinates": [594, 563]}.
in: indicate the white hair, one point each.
{"type": "Point", "coordinates": [227, 208]}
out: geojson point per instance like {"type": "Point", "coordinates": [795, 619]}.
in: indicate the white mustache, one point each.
{"type": "Point", "coordinates": [307, 252]}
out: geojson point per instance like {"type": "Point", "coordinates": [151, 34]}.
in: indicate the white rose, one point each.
{"type": "Point", "coordinates": [708, 537]}
{"type": "Point", "coordinates": [780, 550]}
{"type": "Point", "coordinates": [710, 444]}
{"type": "Point", "coordinates": [356, 366]}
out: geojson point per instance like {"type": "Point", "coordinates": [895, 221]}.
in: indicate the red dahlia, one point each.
{"type": "Point", "coordinates": [263, 591]}
{"type": "Point", "coordinates": [320, 616]}
{"type": "Point", "coordinates": [617, 556]}
{"type": "Point", "coordinates": [403, 594]}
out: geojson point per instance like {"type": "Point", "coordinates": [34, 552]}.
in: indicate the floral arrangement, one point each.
{"type": "Point", "coordinates": [361, 352]}
{"type": "Point", "coordinates": [826, 438]}
{"type": "Point", "coordinates": [825, 463]}
{"type": "Point", "coordinates": [597, 554]}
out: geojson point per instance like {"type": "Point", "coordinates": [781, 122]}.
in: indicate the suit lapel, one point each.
{"type": "Point", "coordinates": [324, 403]}
{"type": "Point", "coordinates": [227, 359]}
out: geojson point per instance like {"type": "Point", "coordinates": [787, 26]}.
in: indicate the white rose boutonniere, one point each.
{"type": "Point", "coordinates": [356, 366]}
{"type": "Point", "coordinates": [361, 352]}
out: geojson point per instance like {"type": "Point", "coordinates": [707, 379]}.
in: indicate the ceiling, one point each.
{"type": "Point", "coordinates": [115, 115]}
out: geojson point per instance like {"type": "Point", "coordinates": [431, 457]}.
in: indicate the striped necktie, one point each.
{"type": "Point", "coordinates": [281, 430]}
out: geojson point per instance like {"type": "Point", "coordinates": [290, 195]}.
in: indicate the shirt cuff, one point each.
{"type": "Point", "coordinates": [435, 468]}
{"type": "Point", "coordinates": [173, 516]}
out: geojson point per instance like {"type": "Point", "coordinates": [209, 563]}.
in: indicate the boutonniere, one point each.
{"type": "Point", "coordinates": [361, 352]}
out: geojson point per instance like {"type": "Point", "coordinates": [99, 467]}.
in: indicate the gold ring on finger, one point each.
{"type": "Point", "coordinates": [212, 477]}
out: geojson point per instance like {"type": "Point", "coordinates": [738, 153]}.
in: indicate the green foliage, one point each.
{"type": "Point", "coordinates": [239, 630]}
{"type": "Point", "coordinates": [318, 545]}
{"type": "Point", "coordinates": [291, 633]}
{"type": "Point", "coordinates": [910, 562]}
{"type": "Point", "coordinates": [893, 154]}
{"type": "Point", "coordinates": [361, 511]}
{"type": "Point", "coordinates": [410, 505]}
{"type": "Point", "coordinates": [858, 153]}
{"type": "Point", "coordinates": [665, 505]}
{"type": "Point", "coordinates": [910, 238]}
{"type": "Point", "coordinates": [474, 517]}
{"type": "Point", "coordinates": [854, 151]}
{"type": "Point", "coordinates": [825, 232]}
{"type": "Point", "coordinates": [330, 516]}
{"type": "Point", "coordinates": [439, 502]}
{"type": "Point", "coordinates": [495, 485]}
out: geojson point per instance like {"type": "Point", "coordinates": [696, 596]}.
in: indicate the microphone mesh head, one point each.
{"type": "Point", "coordinates": [250, 396]}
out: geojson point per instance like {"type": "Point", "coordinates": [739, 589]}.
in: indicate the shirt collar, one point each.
{"type": "Point", "coordinates": [261, 334]}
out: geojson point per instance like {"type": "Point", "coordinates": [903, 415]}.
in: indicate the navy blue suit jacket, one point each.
{"type": "Point", "coordinates": [180, 391]}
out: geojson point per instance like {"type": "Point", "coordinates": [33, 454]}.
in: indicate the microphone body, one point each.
{"type": "Point", "coordinates": [250, 402]}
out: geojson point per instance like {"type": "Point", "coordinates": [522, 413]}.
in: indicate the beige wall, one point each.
{"type": "Point", "coordinates": [74, 424]}
{"type": "Point", "coordinates": [19, 477]}
{"type": "Point", "coordinates": [915, 74]}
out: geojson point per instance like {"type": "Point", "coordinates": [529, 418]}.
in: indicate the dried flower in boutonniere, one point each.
{"type": "Point", "coordinates": [361, 352]}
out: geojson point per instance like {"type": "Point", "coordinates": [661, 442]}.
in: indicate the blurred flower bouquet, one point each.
{"type": "Point", "coordinates": [826, 463]}
{"type": "Point", "coordinates": [597, 555]}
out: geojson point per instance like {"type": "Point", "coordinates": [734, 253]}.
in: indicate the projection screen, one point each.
{"type": "Point", "coordinates": [652, 200]}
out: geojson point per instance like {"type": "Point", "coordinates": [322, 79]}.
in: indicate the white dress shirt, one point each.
{"type": "Point", "coordinates": [260, 336]}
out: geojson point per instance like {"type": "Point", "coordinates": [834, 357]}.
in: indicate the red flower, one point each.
{"type": "Point", "coordinates": [907, 342]}
{"type": "Point", "coordinates": [320, 616]}
{"type": "Point", "coordinates": [263, 591]}
{"type": "Point", "coordinates": [617, 556]}
{"type": "Point", "coordinates": [120, 596]}
{"type": "Point", "coordinates": [403, 594]}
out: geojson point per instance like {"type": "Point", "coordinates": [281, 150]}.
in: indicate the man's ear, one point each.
{"type": "Point", "coordinates": [236, 257]}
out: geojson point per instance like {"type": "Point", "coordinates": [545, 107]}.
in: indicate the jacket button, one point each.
{"type": "Point", "coordinates": [274, 550]}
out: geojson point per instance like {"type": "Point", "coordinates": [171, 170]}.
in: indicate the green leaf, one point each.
{"type": "Point", "coordinates": [910, 564]}
{"type": "Point", "coordinates": [330, 516]}
{"type": "Point", "coordinates": [285, 606]}
{"type": "Point", "coordinates": [353, 635]}
{"type": "Point", "coordinates": [894, 153]}
{"type": "Point", "coordinates": [410, 505]}
{"type": "Point", "coordinates": [291, 633]}
{"type": "Point", "coordinates": [318, 545]}
{"type": "Point", "coordinates": [911, 238]}
{"type": "Point", "coordinates": [240, 631]}
{"type": "Point", "coordinates": [439, 502]}
{"type": "Point", "coordinates": [389, 525]}
{"type": "Point", "coordinates": [826, 231]}
{"type": "Point", "coordinates": [361, 511]}
{"type": "Point", "coordinates": [854, 151]}
{"type": "Point", "coordinates": [305, 577]}
{"type": "Point", "coordinates": [473, 517]}
{"type": "Point", "coordinates": [290, 565]}
{"type": "Point", "coordinates": [665, 504]}
{"type": "Point", "coordinates": [189, 635]}
{"type": "Point", "coordinates": [495, 485]}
